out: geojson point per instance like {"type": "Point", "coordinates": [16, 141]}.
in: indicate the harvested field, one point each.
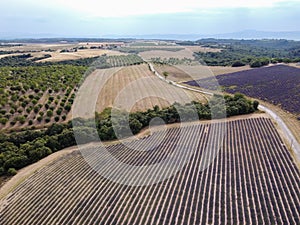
{"type": "Point", "coordinates": [202, 49]}
{"type": "Point", "coordinates": [183, 73]}
{"type": "Point", "coordinates": [201, 72]}
{"type": "Point", "coordinates": [86, 53]}
{"type": "Point", "coordinates": [252, 180]}
{"type": "Point", "coordinates": [143, 90]}
{"type": "Point", "coordinates": [39, 47]}
{"type": "Point", "coordinates": [147, 55]}
{"type": "Point", "coordinates": [187, 52]}
{"type": "Point", "coordinates": [174, 73]}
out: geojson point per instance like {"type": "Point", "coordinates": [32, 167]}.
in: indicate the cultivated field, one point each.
{"type": "Point", "coordinates": [80, 54]}
{"type": "Point", "coordinates": [186, 52]}
{"type": "Point", "coordinates": [148, 55]}
{"type": "Point", "coordinates": [252, 180]}
{"type": "Point", "coordinates": [124, 60]}
{"type": "Point", "coordinates": [57, 46]}
{"type": "Point", "coordinates": [278, 85]}
{"type": "Point", "coordinates": [36, 96]}
{"type": "Point", "coordinates": [143, 90]}
{"type": "Point", "coordinates": [63, 51]}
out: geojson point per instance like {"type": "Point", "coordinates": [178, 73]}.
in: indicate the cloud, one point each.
{"type": "Point", "coordinates": [96, 17]}
{"type": "Point", "coordinates": [121, 8]}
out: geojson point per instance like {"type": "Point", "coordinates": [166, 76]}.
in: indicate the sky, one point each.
{"type": "Point", "coordinates": [98, 18]}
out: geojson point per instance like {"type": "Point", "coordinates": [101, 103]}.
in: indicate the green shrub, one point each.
{"type": "Point", "coordinates": [11, 171]}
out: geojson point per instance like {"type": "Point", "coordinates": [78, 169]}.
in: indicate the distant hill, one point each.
{"type": "Point", "coordinates": [246, 34]}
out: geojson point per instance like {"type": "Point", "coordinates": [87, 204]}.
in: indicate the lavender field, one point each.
{"type": "Point", "coordinates": [252, 180]}
{"type": "Point", "coordinates": [279, 85]}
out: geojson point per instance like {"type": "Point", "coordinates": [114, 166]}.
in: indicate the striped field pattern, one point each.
{"type": "Point", "coordinates": [252, 180]}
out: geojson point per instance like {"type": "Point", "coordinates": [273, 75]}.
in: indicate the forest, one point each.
{"type": "Point", "coordinates": [255, 53]}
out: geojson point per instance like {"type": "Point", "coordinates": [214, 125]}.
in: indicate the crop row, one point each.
{"type": "Point", "coordinates": [35, 95]}
{"type": "Point", "coordinates": [278, 85]}
{"type": "Point", "coordinates": [124, 60]}
{"type": "Point", "coordinates": [251, 180]}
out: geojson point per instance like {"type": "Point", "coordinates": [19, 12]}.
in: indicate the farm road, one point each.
{"type": "Point", "coordinates": [290, 137]}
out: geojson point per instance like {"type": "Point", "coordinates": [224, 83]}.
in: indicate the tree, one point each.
{"type": "Point", "coordinates": [59, 111]}
{"type": "Point", "coordinates": [55, 129]}
{"type": "Point", "coordinates": [255, 105]}
{"type": "Point", "coordinates": [135, 126]}
{"type": "Point", "coordinates": [38, 153]}
{"type": "Point", "coordinates": [166, 74]}
{"type": "Point", "coordinates": [238, 64]}
{"type": "Point", "coordinates": [49, 113]}
{"type": "Point", "coordinates": [256, 64]}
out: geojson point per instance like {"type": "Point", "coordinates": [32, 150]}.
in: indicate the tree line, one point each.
{"type": "Point", "coordinates": [19, 149]}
